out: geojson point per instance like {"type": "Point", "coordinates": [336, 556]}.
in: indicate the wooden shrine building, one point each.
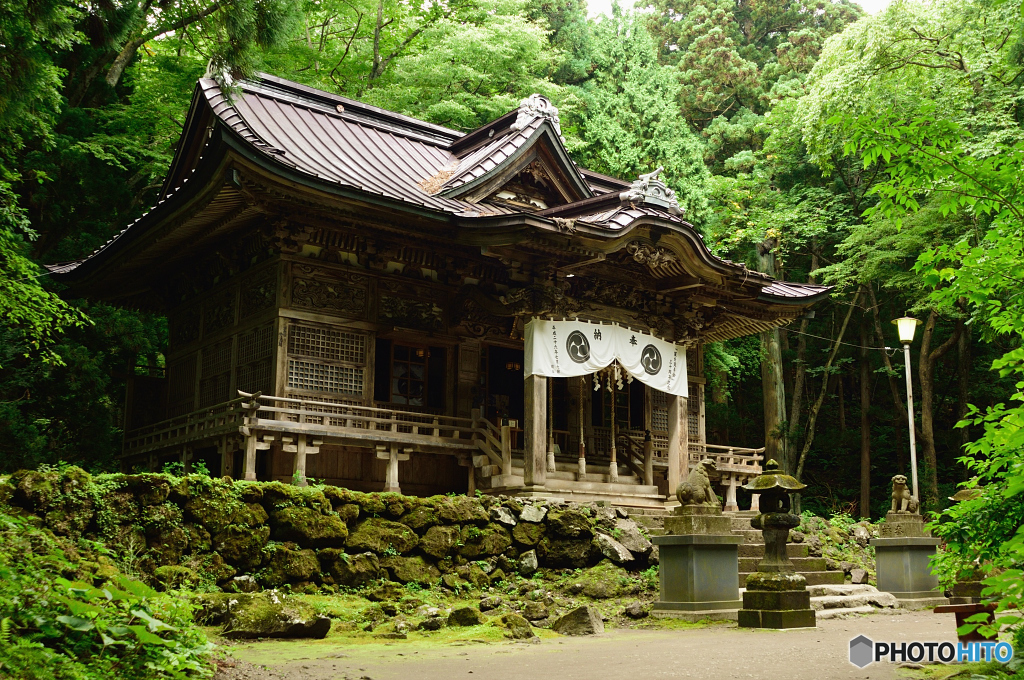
{"type": "Point", "coordinates": [350, 292]}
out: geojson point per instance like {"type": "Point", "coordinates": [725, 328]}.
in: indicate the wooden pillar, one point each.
{"type": "Point", "coordinates": [250, 458]}
{"type": "Point", "coordinates": [299, 466]}
{"type": "Point", "coordinates": [648, 459]}
{"type": "Point", "coordinates": [678, 446]}
{"type": "Point", "coordinates": [391, 477]}
{"type": "Point", "coordinates": [730, 495]}
{"type": "Point", "coordinates": [755, 502]}
{"type": "Point", "coordinates": [535, 410]}
{"type": "Point", "coordinates": [613, 466]}
{"type": "Point", "coordinates": [581, 472]}
{"type": "Point", "coordinates": [252, 445]}
{"type": "Point", "coordinates": [506, 447]}
{"type": "Point", "coordinates": [549, 419]}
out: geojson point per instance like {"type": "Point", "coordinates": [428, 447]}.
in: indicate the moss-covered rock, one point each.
{"type": "Point", "coordinates": [493, 539]}
{"type": "Point", "coordinates": [35, 490]}
{"type": "Point", "coordinates": [287, 564]}
{"type": "Point", "coordinates": [348, 512]}
{"type": "Point", "coordinates": [279, 495]}
{"type": "Point", "coordinates": [351, 571]}
{"type": "Point", "coordinates": [242, 546]}
{"type": "Point", "coordinates": [411, 570]}
{"type": "Point", "coordinates": [604, 581]}
{"type": "Point", "coordinates": [173, 577]}
{"type": "Point", "coordinates": [440, 541]}
{"type": "Point", "coordinates": [420, 519]}
{"type": "Point", "coordinates": [382, 536]}
{"type": "Point", "coordinates": [260, 615]}
{"type": "Point", "coordinates": [564, 553]}
{"type": "Point", "coordinates": [517, 627]}
{"type": "Point", "coordinates": [148, 488]}
{"type": "Point", "coordinates": [476, 575]}
{"type": "Point", "coordinates": [570, 523]}
{"type": "Point", "coordinates": [219, 506]}
{"type": "Point", "coordinates": [465, 616]}
{"type": "Point", "coordinates": [309, 527]}
{"type": "Point", "coordinates": [199, 540]}
{"type": "Point", "coordinates": [528, 533]}
{"type": "Point", "coordinates": [461, 510]}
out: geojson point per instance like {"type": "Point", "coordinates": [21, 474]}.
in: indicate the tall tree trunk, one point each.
{"type": "Point", "coordinates": [840, 390]}
{"type": "Point", "coordinates": [800, 367]}
{"type": "Point", "coordinates": [865, 424]}
{"type": "Point", "coordinates": [772, 383]}
{"type": "Point", "coordinates": [812, 416]}
{"type": "Point", "coordinates": [926, 374]}
{"type": "Point", "coordinates": [963, 374]}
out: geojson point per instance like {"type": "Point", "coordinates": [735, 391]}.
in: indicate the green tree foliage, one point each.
{"type": "Point", "coordinates": [628, 123]}
{"type": "Point", "coordinates": [61, 622]}
{"type": "Point", "coordinates": [734, 59]}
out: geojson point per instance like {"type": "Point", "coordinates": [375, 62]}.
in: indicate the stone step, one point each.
{"type": "Point", "coordinates": [616, 488]}
{"type": "Point", "coordinates": [841, 613]}
{"type": "Point", "coordinates": [749, 535]}
{"type": "Point", "coordinates": [845, 589]}
{"type": "Point", "coordinates": [649, 521]}
{"type": "Point", "coordinates": [749, 564]}
{"type": "Point", "coordinates": [740, 522]}
{"type": "Point", "coordinates": [757, 550]}
{"type": "Point", "coordinates": [875, 599]}
{"type": "Point", "coordinates": [592, 476]}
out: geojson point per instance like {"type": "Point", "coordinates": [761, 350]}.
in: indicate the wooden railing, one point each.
{"type": "Point", "coordinates": [353, 423]}
{"type": "Point", "coordinates": [729, 458]}
{"type": "Point", "coordinates": [205, 423]}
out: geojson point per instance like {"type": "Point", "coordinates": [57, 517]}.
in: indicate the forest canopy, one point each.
{"type": "Point", "coordinates": [812, 141]}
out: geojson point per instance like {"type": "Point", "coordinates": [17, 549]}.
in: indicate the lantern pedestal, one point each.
{"type": "Point", "coordinates": [776, 596]}
{"type": "Point", "coordinates": [699, 566]}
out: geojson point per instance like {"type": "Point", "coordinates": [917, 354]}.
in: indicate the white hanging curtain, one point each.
{"type": "Point", "coordinates": [563, 349]}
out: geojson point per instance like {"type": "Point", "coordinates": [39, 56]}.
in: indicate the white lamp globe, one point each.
{"type": "Point", "coordinates": [905, 327]}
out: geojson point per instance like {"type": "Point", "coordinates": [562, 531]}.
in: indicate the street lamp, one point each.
{"type": "Point", "coordinates": [905, 327]}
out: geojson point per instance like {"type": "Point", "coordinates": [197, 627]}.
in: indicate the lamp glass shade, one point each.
{"type": "Point", "coordinates": [905, 327]}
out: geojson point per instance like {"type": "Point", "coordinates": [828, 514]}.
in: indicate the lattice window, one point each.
{"type": "Point", "coordinates": [318, 377]}
{"type": "Point", "coordinates": [693, 412]}
{"type": "Point", "coordinates": [659, 411]}
{"type": "Point", "coordinates": [215, 382]}
{"type": "Point", "coordinates": [327, 343]}
{"type": "Point", "coordinates": [255, 360]}
{"type": "Point", "coordinates": [181, 385]}
{"type": "Point", "coordinates": [326, 360]}
{"type": "Point", "coordinates": [255, 345]}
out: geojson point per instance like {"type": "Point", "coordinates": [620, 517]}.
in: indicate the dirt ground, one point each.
{"type": "Point", "coordinates": [713, 652]}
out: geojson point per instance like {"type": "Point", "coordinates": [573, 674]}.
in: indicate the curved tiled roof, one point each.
{"type": "Point", "coordinates": [345, 143]}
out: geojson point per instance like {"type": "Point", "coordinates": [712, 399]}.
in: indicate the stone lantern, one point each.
{"type": "Point", "coordinates": [776, 596]}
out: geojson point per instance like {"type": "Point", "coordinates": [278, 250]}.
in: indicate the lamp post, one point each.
{"type": "Point", "coordinates": [905, 327]}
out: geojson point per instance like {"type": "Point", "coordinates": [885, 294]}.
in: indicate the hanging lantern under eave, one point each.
{"type": "Point", "coordinates": [905, 328]}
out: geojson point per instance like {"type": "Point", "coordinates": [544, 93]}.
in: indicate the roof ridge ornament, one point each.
{"type": "Point", "coordinates": [651, 190]}
{"type": "Point", "coordinates": [537, 106]}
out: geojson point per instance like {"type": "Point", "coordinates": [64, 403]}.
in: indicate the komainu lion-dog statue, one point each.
{"type": "Point", "coordinates": [902, 500]}
{"type": "Point", "coordinates": [696, 488]}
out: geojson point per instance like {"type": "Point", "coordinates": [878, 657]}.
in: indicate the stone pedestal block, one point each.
{"type": "Point", "coordinates": [698, 520]}
{"type": "Point", "coordinates": [776, 600]}
{"type": "Point", "coordinates": [903, 570]}
{"type": "Point", "coordinates": [699, 576]}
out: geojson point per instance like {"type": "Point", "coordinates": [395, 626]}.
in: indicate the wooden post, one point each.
{"type": "Point", "coordinates": [730, 495]}
{"type": "Point", "coordinates": [506, 447]}
{"type": "Point", "coordinates": [677, 444]}
{"type": "Point", "coordinates": [250, 458]}
{"type": "Point", "coordinates": [391, 477]}
{"type": "Point", "coordinates": [648, 459]}
{"type": "Point", "coordinates": [755, 502]}
{"type": "Point", "coordinates": [549, 417]}
{"type": "Point", "coordinates": [535, 408]}
{"type": "Point", "coordinates": [299, 471]}
{"type": "Point", "coordinates": [613, 466]}
{"type": "Point", "coordinates": [581, 473]}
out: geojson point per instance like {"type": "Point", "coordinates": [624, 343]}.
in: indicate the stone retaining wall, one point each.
{"type": "Point", "coordinates": [244, 535]}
